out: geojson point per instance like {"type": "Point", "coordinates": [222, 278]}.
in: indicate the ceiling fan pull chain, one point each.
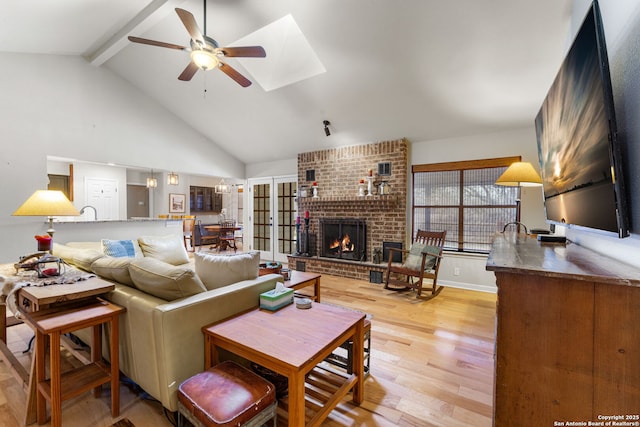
{"type": "Point", "coordinates": [204, 85]}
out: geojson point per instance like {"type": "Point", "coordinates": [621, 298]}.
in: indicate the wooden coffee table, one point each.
{"type": "Point", "coordinates": [292, 342]}
{"type": "Point", "coordinates": [300, 279]}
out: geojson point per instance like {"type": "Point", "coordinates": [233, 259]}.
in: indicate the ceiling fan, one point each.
{"type": "Point", "coordinates": [205, 52]}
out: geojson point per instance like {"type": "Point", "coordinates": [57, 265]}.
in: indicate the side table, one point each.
{"type": "Point", "coordinates": [60, 387]}
{"type": "Point", "coordinates": [30, 299]}
{"type": "Point", "coordinates": [302, 279]}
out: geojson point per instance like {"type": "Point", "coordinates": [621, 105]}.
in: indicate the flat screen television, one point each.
{"type": "Point", "coordinates": [580, 156]}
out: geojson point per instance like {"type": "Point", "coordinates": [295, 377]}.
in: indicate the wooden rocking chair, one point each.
{"type": "Point", "coordinates": [421, 262]}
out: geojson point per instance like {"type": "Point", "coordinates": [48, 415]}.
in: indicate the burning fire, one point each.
{"type": "Point", "coordinates": [344, 244]}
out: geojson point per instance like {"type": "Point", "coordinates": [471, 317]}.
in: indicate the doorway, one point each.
{"type": "Point", "coordinates": [137, 201]}
{"type": "Point", "coordinates": [273, 210]}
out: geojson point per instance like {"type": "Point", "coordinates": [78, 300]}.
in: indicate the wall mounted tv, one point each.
{"type": "Point", "coordinates": [580, 157]}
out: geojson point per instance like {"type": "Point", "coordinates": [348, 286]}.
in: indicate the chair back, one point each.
{"type": "Point", "coordinates": [431, 238]}
{"type": "Point", "coordinates": [188, 224]}
{"type": "Point", "coordinates": [201, 229]}
{"type": "Point", "coordinates": [227, 229]}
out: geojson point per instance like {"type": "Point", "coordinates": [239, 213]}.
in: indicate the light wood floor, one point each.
{"type": "Point", "coordinates": [431, 365]}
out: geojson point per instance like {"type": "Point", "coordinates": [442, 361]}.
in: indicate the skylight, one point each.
{"type": "Point", "coordinates": [290, 57]}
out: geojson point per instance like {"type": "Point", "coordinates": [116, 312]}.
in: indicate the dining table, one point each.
{"type": "Point", "coordinates": [223, 230]}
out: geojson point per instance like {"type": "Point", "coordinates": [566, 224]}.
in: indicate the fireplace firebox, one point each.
{"type": "Point", "coordinates": [344, 238]}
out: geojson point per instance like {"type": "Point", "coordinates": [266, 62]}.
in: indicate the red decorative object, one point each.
{"type": "Point", "coordinates": [44, 242]}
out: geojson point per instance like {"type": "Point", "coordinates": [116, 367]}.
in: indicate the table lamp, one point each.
{"type": "Point", "coordinates": [519, 174]}
{"type": "Point", "coordinates": [47, 203]}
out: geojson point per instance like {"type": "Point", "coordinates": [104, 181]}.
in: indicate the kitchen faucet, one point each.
{"type": "Point", "coordinates": [95, 211]}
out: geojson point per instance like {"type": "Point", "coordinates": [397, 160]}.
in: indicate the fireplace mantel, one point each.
{"type": "Point", "coordinates": [371, 202]}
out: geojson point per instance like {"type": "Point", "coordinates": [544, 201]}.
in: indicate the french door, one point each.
{"type": "Point", "coordinates": [272, 213]}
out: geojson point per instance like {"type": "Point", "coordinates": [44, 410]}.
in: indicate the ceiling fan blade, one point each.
{"type": "Point", "coordinates": [190, 24]}
{"type": "Point", "coordinates": [244, 51]}
{"type": "Point", "coordinates": [188, 72]}
{"type": "Point", "coordinates": [234, 74]}
{"type": "Point", "coordinates": [155, 43]}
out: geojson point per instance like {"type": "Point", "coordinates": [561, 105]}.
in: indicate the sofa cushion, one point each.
{"type": "Point", "coordinates": [216, 271]}
{"type": "Point", "coordinates": [85, 245]}
{"type": "Point", "coordinates": [169, 249]}
{"type": "Point", "coordinates": [111, 268]}
{"type": "Point", "coordinates": [164, 280]}
{"type": "Point", "coordinates": [81, 258]}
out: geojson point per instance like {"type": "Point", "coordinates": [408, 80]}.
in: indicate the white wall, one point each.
{"type": "Point", "coordinates": [61, 105]}
{"type": "Point", "coordinates": [275, 168]}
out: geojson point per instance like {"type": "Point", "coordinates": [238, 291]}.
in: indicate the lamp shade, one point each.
{"type": "Point", "coordinates": [520, 174]}
{"type": "Point", "coordinates": [47, 203]}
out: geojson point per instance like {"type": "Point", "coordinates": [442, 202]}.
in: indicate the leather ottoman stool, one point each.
{"type": "Point", "coordinates": [227, 395]}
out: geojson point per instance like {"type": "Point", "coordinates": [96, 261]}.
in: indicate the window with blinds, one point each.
{"type": "Point", "coordinates": [462, 198]}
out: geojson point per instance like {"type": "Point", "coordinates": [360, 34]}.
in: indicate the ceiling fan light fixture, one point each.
{"type": "Point", "coordinates": [204, 59]}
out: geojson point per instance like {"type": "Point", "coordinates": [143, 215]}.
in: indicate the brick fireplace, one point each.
{"type": "Point", "coordinates": [337, 173]}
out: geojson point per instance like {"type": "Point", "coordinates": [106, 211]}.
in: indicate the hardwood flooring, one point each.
{"type": "Point", "coordinates": [432, 364]}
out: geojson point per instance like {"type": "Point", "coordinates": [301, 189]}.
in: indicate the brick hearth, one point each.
{"type": "Point", "coordinates": [338, 172]}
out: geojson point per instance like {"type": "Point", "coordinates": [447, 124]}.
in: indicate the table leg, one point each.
{"type": "Point", "coordinates": [316, 289]}
{"type": "Point", "coordinates": [358, 362]}
{"type": "Point", "coordinates": [39, 360]}
{"type": "Point", "coordinates": [30, 415]}
{"type": "Point", "coordinates": [3, 323]}
{"type": "Point", "coordinates": [296, 400]}
{"type": "Point", "coordinates": [56, 380]}
{"type": "Point", "coordinates": [115, 367]}
{"type": "Point", "coordinates": [211, 355]}
{"type": "Point", "coordinates": [96, 353]}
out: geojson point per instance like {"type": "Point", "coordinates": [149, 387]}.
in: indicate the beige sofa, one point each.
{"type": "Point", "coordinates": [169, 298]}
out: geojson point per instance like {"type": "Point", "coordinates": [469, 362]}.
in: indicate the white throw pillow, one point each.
{"type": "Point", "coordinates": [216, 271]}
{"type": "Point", "coordinates": [169, 249]}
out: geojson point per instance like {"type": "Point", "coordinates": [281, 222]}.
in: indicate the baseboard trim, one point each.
{"type": "Point", "coordinates": [469, 286]}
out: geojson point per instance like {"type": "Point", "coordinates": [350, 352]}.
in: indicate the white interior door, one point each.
{"type": "Point", "coordinates": [102, 194]}
{"type": "Point", "coordinates": [272, 213]}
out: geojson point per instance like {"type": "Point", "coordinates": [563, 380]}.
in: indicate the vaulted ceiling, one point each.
{"type": "Point", "coordinates": [420, 69]}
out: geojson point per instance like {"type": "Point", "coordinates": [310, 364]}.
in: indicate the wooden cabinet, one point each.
{"type": "Point", "coordinates": [568, 334]}
{"type": "Point", "coordinates": [204, 199]}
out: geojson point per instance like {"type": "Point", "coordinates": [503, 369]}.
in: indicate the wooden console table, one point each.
{"type": "Point", "coordinates": [31, 299]}
{"type": "Point", "coordinates": [568, 334]}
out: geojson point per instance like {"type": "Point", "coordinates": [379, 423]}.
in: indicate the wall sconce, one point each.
{"type": "Point", "coordinates": [222, 188]}
{"type": "Point", "coordinates": [326, 124]}
{"type": "Point", "coordinates": [151, 181]}
{"type": "Point", "coordinates": [172, 178]}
